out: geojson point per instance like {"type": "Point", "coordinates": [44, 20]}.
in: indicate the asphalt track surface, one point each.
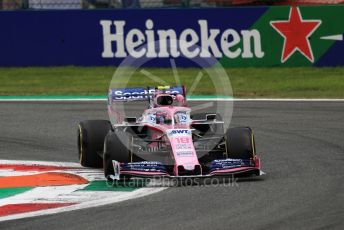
{"type": "Point", "coordinates": [301, 147]}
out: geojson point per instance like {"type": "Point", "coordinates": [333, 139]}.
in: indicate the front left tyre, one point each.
{"type": "Point", "coordinates": [91, 135]}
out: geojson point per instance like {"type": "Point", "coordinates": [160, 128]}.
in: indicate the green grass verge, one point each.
{"type": "Point", "coordinates": [246, 82]}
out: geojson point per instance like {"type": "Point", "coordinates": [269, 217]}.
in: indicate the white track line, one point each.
{"type": "Point", "coordinates": [190, 99]}
{"type": "Point", "coordinates": [271, 99]}
{"type": "Point", "coordinates": [289, 99]}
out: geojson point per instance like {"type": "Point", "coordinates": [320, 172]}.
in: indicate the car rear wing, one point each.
{"type": "Point", "coordinates": [141, 94]}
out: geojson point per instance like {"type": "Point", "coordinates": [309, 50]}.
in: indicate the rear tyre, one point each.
{"type": "Point", "coordinates": [240, 143]}
{"type": "Point", "coordinates": [91, 134]}
{"type": "Point", "coordinates": [117, 146]}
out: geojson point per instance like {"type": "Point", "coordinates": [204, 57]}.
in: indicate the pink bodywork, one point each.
{"type": "Point", "coordinates": [178, 135]}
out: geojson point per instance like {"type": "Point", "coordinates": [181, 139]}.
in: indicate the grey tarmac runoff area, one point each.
{"type": "Point", "coordinates": [301, 145]}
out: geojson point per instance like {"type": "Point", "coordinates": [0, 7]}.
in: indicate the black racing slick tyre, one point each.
{"type": "Point", "coordinates": [117, 146]}
{"type": "Point", "coordinates": [91, 135]}
{"type": "Point", "coordinates": [240, 143]}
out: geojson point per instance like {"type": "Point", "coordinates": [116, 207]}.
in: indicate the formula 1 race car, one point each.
{"type": "Point", "coordinates": [166, 140]}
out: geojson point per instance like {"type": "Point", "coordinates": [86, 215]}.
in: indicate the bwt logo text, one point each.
{"type": "Point", "coordinates": [163, 43]}
{"type": "Point", "coordinates": [180, 131]}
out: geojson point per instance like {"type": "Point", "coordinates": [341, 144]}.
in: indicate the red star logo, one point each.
{"type": "Point", "coordinates": [296, 32]}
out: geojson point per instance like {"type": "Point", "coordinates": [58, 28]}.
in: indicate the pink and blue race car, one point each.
{"type": "Point", "coordinates": [166, 140]}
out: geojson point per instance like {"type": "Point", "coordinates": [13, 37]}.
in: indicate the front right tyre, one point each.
{"type": "Point", "coordinates": [117, 146]}
{"type": "Point", "coordinates": [240, 143]}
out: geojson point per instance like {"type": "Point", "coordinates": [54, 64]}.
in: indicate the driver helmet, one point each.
{"type": "Point", "coordinates": [163, 118]}
{"type": "Point", "coordinates": [160, 118]}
